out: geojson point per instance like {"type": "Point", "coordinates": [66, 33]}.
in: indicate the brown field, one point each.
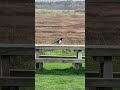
{"type": "Point", "coordinates": [50, 27]}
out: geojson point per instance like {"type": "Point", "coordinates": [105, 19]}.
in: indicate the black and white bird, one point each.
{"type": "Point", "coordinates": [59, 41]}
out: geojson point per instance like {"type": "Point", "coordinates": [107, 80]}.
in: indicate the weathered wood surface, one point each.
{"type": "Point", "coordinates": [21, 73]}
{"type": "Point", "coordinates": [5, 60]}
{"type": "Point", "coordinates": [102, 82]}
{"type": "Point", "coordinates": [61, 47]}
{"type": "Point", "coordinates": [102, 16]}
{"type": "Point", "coordinates": [0, 67]}
{"type": "Point", "coordinates": [102, 50]}
{"type": "Point", "coordinates": [38, 64]}
{"type": "Point", "coordinates": [17, 45]}
{"type": "Point", "coordinates": [17, 81]}
{"type": "Point", "coordinates": [65, 60]}
{"type": "Point", "coordinates": [49, 56]}
{"type": "Point", "coordinates": [96, 74]}
{"type": "Point", "coordinates": [17, 49]}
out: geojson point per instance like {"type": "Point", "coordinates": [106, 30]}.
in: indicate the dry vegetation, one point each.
{"type": "Point", "coordinates": [52, 25]}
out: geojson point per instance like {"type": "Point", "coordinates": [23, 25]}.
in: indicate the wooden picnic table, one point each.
{"type": "Point", "coordinates": [76, 61]}
{"type": "Point", "coordinates": [103, 54]}
{"type": "Point", "coordinates": [7, 53]}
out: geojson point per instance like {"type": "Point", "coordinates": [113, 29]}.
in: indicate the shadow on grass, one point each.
{"type": "Point", "coordinates": [68, 71]}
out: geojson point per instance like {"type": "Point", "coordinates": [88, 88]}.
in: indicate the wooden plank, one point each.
{"type": "Point", "coordinates": [17, 45]}
{"type": "Point", "coordinates": [5, 65]}
{"type": "Point", "coordinates": [46, 56]}
{"type": "Point", "coordinates": [37, 53]}
{"type": "Point", "coordinates": [103, 25]}
{"type": "Point", "coordinates": [108, 69]}
{"type": "Point", "coordinates": [102, 82]}
{"type": "Point", "coordinates": [22, 73]}
{"type": "Point", "coordinates": [61, 47]}
{"type": "Point", "coordinates": [39, 65]}
{"type": "Point", "coordinates": [17, 81]}
{"type": "Point", "coordinates": [102, 52]}
{"type": "Point", "coordinates": [114, 47]}
{"type": "Point", "coordinates": [49, 56]}
{"type": "Point", "coordinates": [103, 19]}
{"type": "Point", "coordinates": [17, 51]}
{"type": "Point", "coordinates": [96, 74]}
{"type": "Point", "coordinates": [77, 66]}
{"type": "Point", "coordinates": [79, 54]}
{"type": "Point", "coordinates": [59, 60]}
{"type": "Point", "coordinates": [0, 66]}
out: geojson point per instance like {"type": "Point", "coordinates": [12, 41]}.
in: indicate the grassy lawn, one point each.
{"type": "Point", "coordinates": [59, 76]}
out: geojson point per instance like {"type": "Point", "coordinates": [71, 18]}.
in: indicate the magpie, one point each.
{"type": "Point", "coordinates": [59, 41]}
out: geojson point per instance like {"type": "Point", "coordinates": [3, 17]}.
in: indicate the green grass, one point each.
{"type": "Point", "coordinates": [60, 52]}
{"type": "Point", "coordinates": [59, 76]}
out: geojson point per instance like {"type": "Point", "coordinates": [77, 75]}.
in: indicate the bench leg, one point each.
{"type": "Point", "coordinates": [39, 66]}
{"type": "Point", "coordinates": [77, 66]}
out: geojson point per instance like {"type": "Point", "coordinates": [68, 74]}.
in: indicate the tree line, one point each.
{"type": "Point", "coordinates": [60, 5]}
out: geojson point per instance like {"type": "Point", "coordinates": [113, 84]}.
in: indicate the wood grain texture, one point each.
{"type": "Point", "coordinates": [102, 22]}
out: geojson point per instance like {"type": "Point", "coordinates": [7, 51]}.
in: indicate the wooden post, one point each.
{"type": "Point", "coordinates": [0, 67]}
{"type": "Point", "coordinates": [79, 56]}
{"type": "Point", "coordinates": [12, 60]}
{"type": "Point", "coordinates": [5, 59]}
{"type": "Point", "coordinates": [105, 70]}
{"type": "Point", "coordinates": [77, 66]}
{"type": "Point", "coordinates": [5, 65]}
{"type": "Point", "coordinates": [38, 65]}
{"type": "Point", "coordinates": [108, 69]}
{"type": "Point", "coordinates": [101, 61]}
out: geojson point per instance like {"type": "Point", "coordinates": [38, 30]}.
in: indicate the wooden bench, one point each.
{"type": "Point", "coordinates": [9, 79]}
{"type": "Point", "coordinates": [106, 79]}
{"type": "Point", "coordinates": [17, 81]}
{"type": "Point", "coordinates": [76, 60]}
{"type": "Point", "coordinates": [102, 82]}
{"type": "Point", "coordinates": [96, 74]}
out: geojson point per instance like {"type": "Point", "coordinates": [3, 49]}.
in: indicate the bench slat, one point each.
{"type": "Point", "coordinates": [102, 82]}
{"type": "Point", "coordinates": [59, 60]}
{"type": "Point", "coordinates": [96, 74]}
{"type": "Point", "coordinates": [17, 81]}
{"type": "Point", "coordinates": [48, 56]}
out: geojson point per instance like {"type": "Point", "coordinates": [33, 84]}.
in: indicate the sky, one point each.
{"type": "Point", "coordinates": [58, 0]}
